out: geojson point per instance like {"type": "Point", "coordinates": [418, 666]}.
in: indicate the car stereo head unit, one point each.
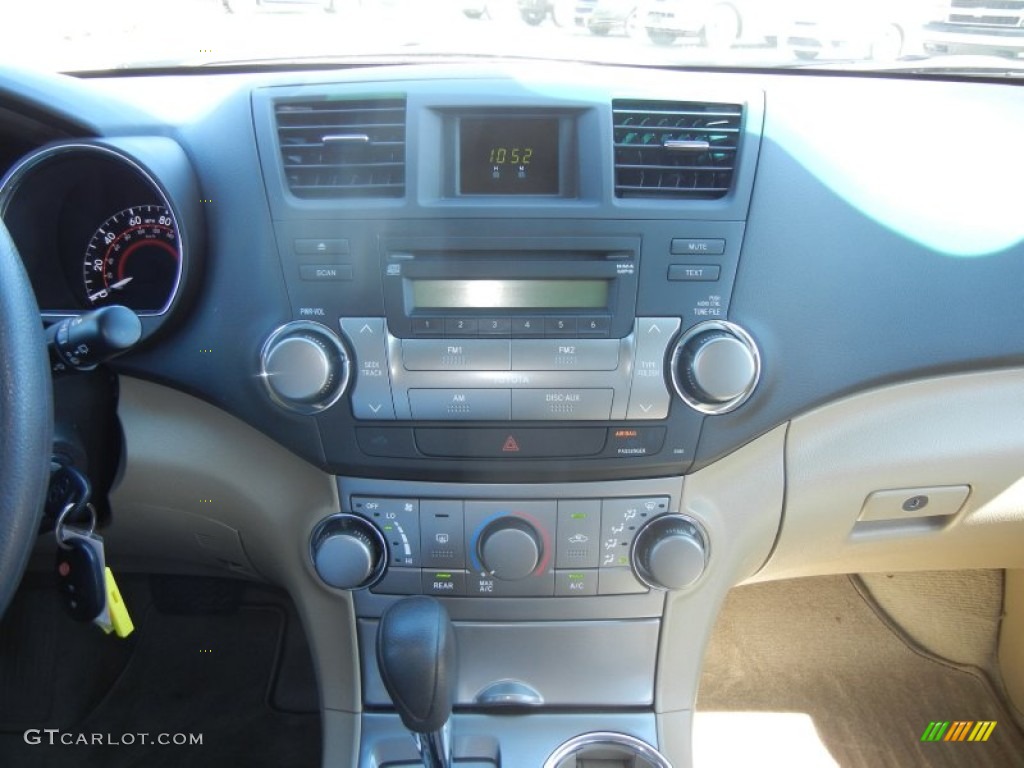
{"type": "Point", "coordinates": [511, 287]}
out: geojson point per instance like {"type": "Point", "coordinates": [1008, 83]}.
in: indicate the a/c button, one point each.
{"type": "Point", "coordinates": [581, 583]}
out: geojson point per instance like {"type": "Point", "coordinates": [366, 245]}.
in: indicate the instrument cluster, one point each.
{"type": "Point", "coordinates": [99, 224]}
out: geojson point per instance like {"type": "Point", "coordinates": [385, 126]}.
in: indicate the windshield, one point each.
{"type": "Point", "coordinates": [79, 35]}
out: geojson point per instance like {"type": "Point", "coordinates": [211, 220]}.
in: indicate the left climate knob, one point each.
{"type": "Point", "coordinates": [304, 366]}
{"type": "Point", "coordinates": [348, 552]}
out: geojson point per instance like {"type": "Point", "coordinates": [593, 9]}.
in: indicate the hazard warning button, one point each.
{"type": "Point", "coordinates": [505, 443]}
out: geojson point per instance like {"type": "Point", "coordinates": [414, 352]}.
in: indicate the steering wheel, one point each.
{"type": "Point", "coordinates": [26, 419]}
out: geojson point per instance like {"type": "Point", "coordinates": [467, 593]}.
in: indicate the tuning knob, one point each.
{"type": "Point", "coordinates": [669, 552]}
{"type": "Point", "coordinates": [348, 552]}
{"type": "Point", "coordinates": [509, 548]}
{"type": "Point", "coordinates": [304, 366]}
{"type": "Point", "coordinates": [715, 367]}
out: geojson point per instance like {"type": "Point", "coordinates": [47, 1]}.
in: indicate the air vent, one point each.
{"type": "Point", "coordinates": [342, 148]}
{"type": "Point", "coordinates": [675, 150]}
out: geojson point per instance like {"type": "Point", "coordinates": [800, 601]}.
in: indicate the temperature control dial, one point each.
{"type": "Point", "coordinates": [669, 552]}
{"type": "Point", "coordinates": [304, 366]}
{"type": "Point", "coordinates": [509, 548]}
{"type": "Point", "coordinates": [348, 552]}
{"type": "Point", "coordinates": [715, 367]}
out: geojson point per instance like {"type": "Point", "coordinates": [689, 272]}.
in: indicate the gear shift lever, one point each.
{"type": "Point", "coordinates": [416, 657]}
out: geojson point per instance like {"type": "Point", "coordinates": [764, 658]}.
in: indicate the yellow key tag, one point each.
{"type": "Point", "coordinates": [120, 620]}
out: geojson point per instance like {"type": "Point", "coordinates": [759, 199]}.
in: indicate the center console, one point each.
{"type": "Point", "coordinates": [510, 319]}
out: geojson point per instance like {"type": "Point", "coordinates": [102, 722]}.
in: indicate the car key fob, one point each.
{"type": "Point", "coordinates": [81, 575]}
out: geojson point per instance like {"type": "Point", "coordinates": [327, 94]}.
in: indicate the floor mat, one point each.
{"type": "Point", "coordinates": [195, 691]}
{"type": "Point", "coordinates": [805, 673]}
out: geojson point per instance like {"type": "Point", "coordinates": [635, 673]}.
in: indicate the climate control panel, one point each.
{"type": "Point", "coordinates": [529, 548]}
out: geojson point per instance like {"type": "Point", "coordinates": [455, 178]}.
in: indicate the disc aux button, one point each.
{"type": "Point", "coordinates": [562, 404]}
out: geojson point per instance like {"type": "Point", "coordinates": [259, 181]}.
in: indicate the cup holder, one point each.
{"type": "Point", "coordinates": [607, 750]}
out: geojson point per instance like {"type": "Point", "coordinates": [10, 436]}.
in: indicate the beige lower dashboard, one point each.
{"type": "Point", "coordinates": [202, 491]}
{"type": "Point", "coordinates": [934, 438]}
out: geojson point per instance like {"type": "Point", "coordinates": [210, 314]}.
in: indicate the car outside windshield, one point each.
{"type": "Point", "coordinates": [82, 35]}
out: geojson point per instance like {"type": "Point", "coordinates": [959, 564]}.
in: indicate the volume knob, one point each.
{"type": "Point", "coordinates": [715, 367]}
{"type": "Point", "coordinates": [305, 367]}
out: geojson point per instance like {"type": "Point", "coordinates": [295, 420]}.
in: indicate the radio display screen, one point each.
{"type": "Point", "coordinates": [509, 294]}
{"type": "Point", "coordinates": [508, 156]}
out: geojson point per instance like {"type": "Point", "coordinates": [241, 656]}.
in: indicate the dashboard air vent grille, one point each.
{"type": "Point", "coordinates": [675, 150]}
{"type": "Point", "coordinates": [343, 148]}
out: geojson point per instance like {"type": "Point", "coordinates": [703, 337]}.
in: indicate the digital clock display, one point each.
{"type": "Point", "coordinates": [508, 156]}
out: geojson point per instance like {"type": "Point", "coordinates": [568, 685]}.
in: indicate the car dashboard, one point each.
{"type": "Point", "coordinates": [574, 349]}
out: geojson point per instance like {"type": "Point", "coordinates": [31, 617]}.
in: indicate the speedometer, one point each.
{"type": "Point", "coordinates": [134, 259]}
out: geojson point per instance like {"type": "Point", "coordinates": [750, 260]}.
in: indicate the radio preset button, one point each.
{"type": "Point", "coordinates": [495, 326]}
{"type": "Point", "coordinates": [599, 325]}
{"type": "Point", "coordinates": [565, 354]}
{"type": "Point", "coordinates": [562, 404]}
{"type": "Point", "coordinates": [455, 355]}
{"type": "Point", "coordinates": [460, 327]}
{"type": "Point", "coordinates": [560, 326]}
{"type": "Point", "coordinates": [460, 404]}
{"type": "Point", "coordinates": [427, 326]}
{"type": "Point", "coordinates": [527, 326]}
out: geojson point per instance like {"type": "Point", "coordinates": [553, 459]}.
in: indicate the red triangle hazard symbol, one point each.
{"type": "Point", "coordinates": [511, 445]}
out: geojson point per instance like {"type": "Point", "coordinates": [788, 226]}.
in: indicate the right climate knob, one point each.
{"type": "Point", "coordinates": [715, 366]}
{"type": "Point", "coordinates": [670, 552]}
